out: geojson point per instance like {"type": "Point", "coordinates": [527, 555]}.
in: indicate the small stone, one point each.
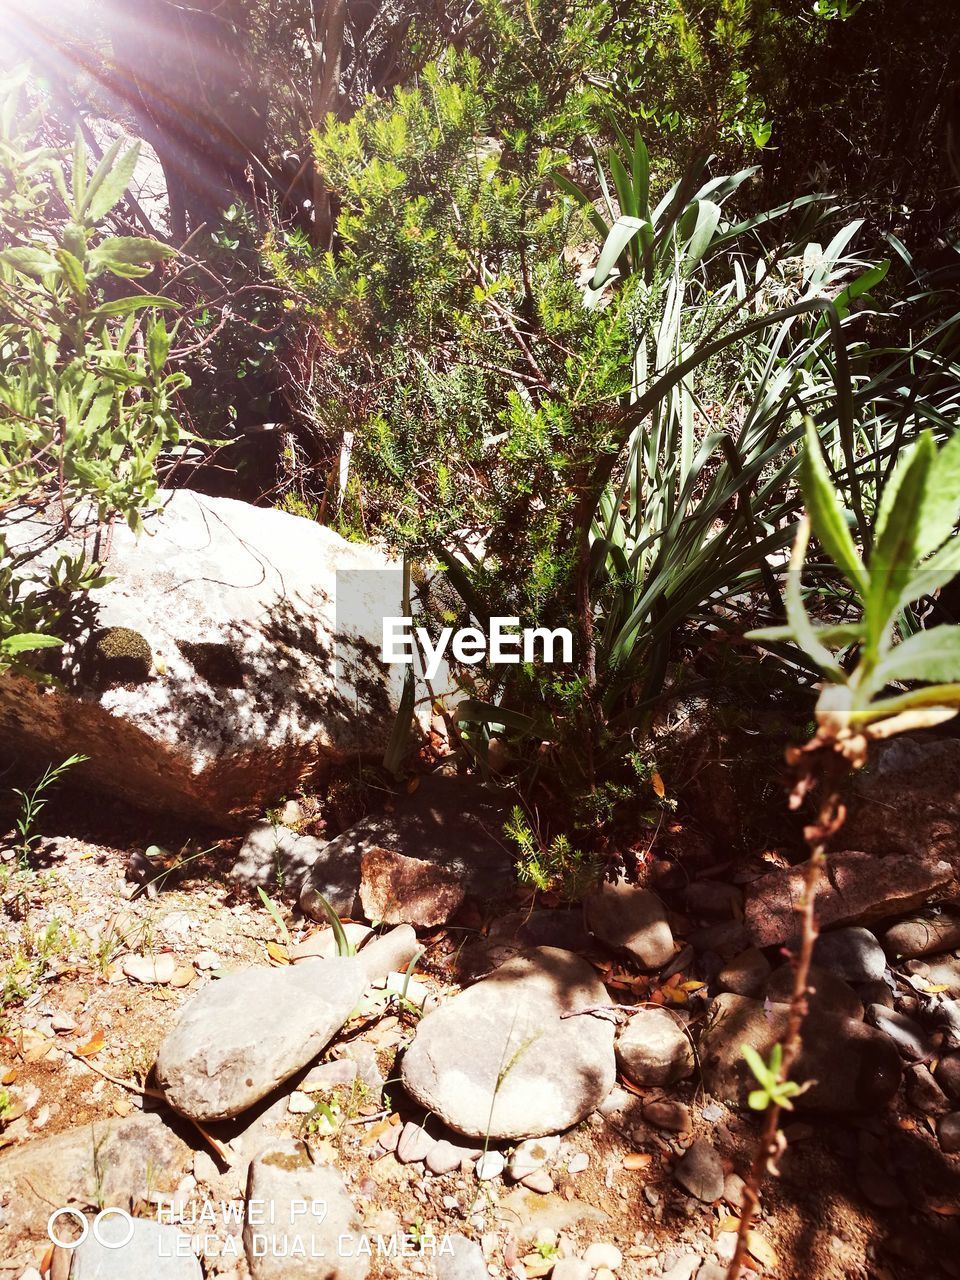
{"type": "Point", "coordinates": [733, 1189]}
{"type": "Point", "coordinates": [448, 1156]}
{"type": "Point", "coordinates": [875, 993]}
{"type": "Point", "coordinates": [664, 1114]}
{"type": "Point", "coordinates": [578, 1163]}
{"type": "Point", "coordinates": [653, 1050]}
{"type": "Point", "coordinates": [923, 1092]}
{"type": "Point", "coordinates": [322, 945]}
{"type": "Point", "coordinates": [631, 919]}
{"type": "Point", "coordinates": [684, 1268]}
{"type": "Point", "coordinates": [603, 1254]}
{"type": "Point", "coordinates": [948, 1131]}
{"type": "Point", "coordinates": [539, 1181]}
{"type": "Point", "coordinates": [389, 1140]}
{"type": "Point", "coordinates": [700, 1171]}
{"type": "Point", "coordinates": [746, 974]}
{"type": "Point", "coordinates": [415, 1143]}
{"type": "Point", "coordinates": [907, 1035]}
{"type": "Point", "coordinates": [603, 1273]}
{"type": "Point", "coordinates": [490, 1165]}
{"type": "Point", "coordinates": [275, 858]}
{"type": "Point", "coordinates": [63, 1022]}
{"type": "Point", "coordinates": [329, 1075]}
{"type": "Point", "coordinates": [712, 1271]}
{"type": "Point", "coordinates": [532, 1155]}
{"type": "Point", "coordinates": [298, 1104]}
{"type": "Point", "coordinates": [853, 954]}
{"type": "Point", "coordinates": [570, 1269]}
{"type": "Point", "coordinates": [922, 936]}
{"type": "Point", "coordinates": [948, 1075]}
{"type": "Point", "coordinates": [466, 1262]}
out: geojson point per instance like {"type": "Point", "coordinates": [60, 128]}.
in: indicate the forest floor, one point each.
{"type": "Point", "coordinates": [855, 1197]}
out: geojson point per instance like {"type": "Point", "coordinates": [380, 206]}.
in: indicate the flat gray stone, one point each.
{"type": "Point", "coordinates": [853, 954]}
{"type": "Point", "coordinates": [286, 1183]}
{"type": "Point", "coordinates": [633, 920]}
{"type": "Point", "coordinates": [653, 1050]}
{"type": "Point", "coordinates": [948, 1075]}
{"type": "Point", "coordinates": [500, 1061]}
{"type": "Point", "coordinates": [700, 1171]}
{"type": "Point", "coordinates": [746, 974]}
{"type": "Point", "coordinates": [415, 1143]}
{"type": "Point", "coordinates": [829, 994]}
{"type": "Point", "coordinates": [532, 1155]}
{"type": "Point", "coordinates": [153, 1252]}
{"type": "Point", "coordinates": [948, 1131]}
{"type": "Point", "coordinates": [245, 1034]}
{"type": "Point", "coordinates": [275, 858]}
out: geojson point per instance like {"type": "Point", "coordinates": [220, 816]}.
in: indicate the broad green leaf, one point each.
{"type": "Point", "coordinates": [797, 615]}
{"type": "Point", "coordinates": [941, 502]}
{"type": "Point", "coordinates": [73, 272]}
{"type": "Point", "coordinates": [123, 306]}
{"type": "Point", "coordinates": [621, 233]}
{"type": "Point", "coordinates": [699, 229]}
{"type": "Point", "coordinates": [158, 346]}
{"type": "Point", "coordinates": [893, 562]}
{"type": "Point", "coordinates": [26, 641]}
{"type": "Point", "coordinates": [129, 256]}
{"type": "Point", "coordinates": [99, 201]}
{"type": "Point", "coordinates": [29, 261]}
{"type": "Point", "coordinates": [932, 656]}
{"type": "Point", "coordinates": [826, 513]}
{"type": "Point", "coordinates": [842, 634]}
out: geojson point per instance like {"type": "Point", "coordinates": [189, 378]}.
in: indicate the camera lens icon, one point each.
{"type": "Point", "coordinates": [112, 1228]}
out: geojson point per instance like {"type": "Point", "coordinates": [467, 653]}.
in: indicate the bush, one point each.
{"type": "Point", "coordinates": [86, 403]}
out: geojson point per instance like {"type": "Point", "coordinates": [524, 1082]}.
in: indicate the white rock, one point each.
{"type": "Point", "coordinates": [489, 1166]}
{"type": "Point", "coordinates": [298, 1104]}
{"type": "Point", "coordinates": [578, 1163]}
{"type": "Point", "coordinates": [603, 1254]}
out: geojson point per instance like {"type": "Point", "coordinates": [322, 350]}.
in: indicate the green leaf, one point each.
{"type": "Point", "coordinates": [29, 261]}
{"type": "Point", "coordinates": [697, 226]}
{"type": "Point", "coordinates": [129, 256]}
{"type": "Point", "coordinates": [826, 514]}
{"type": "Point", "coordinates": [123, 306]}
{"type": "Point", "coordinates": [893, 562]}
{"type": "Point", "coordinates": [73, 272]}
{"type": "Point", "coordinates": [26, 641]}
{"type": "Point", "coordinates": [941, 502]}
{"type": "Point", "coordinates": [108, 183]}
{"type": "Point", "coordinates": [158, 346]}
{"type": "Point", "coordinates": [797, 616]}
{"type": "Point", "coordinates": [932, 656]}
{"type": "Point", "coordinates": [621, 233]}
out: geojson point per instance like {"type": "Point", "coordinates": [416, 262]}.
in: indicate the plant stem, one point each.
{"type": "Point", "coordinates": [771, 1143]}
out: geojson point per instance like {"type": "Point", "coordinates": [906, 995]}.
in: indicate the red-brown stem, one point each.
{"type": "Point", "coordinates": [770, 1144]}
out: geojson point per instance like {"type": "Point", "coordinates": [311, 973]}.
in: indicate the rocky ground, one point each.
{"type": "Point", "coordinates": [490, 1085]}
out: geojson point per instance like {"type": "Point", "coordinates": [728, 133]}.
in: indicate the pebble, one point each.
{"type": "Point", "coordinates": [653, 1050]}
{"type": "Point", "coordinates": [414, 1143]}
{"type": "Point", "coordinates": [390, 1138]}
{"type": "Point", "coordinates": [531, 1155]}
{"type": "Point", "coordinates": [465, 1262]}
{"type": "Point", "coordinates": [948, 1074]}
{"type": "Point", "coordinates": [684, 1268]}
{"type": "Point", "coordinates": [700, 1172]}
{"type": "Point", "coordinates": [205, 1168]}
{"type": "Point", "coordinates": [673, 1116]}
{"type": "Point", "coordinates": [923, 1092]}
{"type": "Point", "coordinates": [490, 1165]}
{"type": "Point", "coordinates": [578, 1163]}
{"type": "Point", "coordinates": [852, 953]}
{"type": "Point", "coordinates": [446, 1157]}
{"type": "Point", "coordinates": [570, 1269]}
{"type": "Point", "coordinates": [923, 937]}
{"type": "Point", "coordinates": [298, 1104]}
{"type": "Point", "coordinates": [603, 1254]}
{"type": "Point", "coordinates": [539, 1181]}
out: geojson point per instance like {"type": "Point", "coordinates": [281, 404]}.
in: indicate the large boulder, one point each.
{"type": "Point", "coordinates": [501, 1061]}
{"type": "Point", "coordinates": [235, 649]}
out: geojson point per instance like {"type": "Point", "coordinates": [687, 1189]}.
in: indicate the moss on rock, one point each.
{"type": "Point", "coordinates": [122, 656]}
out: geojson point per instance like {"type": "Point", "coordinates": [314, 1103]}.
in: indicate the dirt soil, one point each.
{"type": "Point", "coordinates": [854, 1197]}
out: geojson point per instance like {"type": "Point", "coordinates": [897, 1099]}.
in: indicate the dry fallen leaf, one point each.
{"type": "Point", "coordinates": [762, 1250]}
{"type": "Point", "coordinates": [152, 970]}
{"type": "Point", "coordinates": [946, 1209]}
{"type": "Point", "coordinates": [637, 1160]}
{"type": "Point", "coordinates": [728, 1223]}
{"type": "Point", "coordinates": [92, 1046]}
{"type": "Point", "coordinates": [8, 1076]}
{"type": "Point", "coordinates": [657, 783]}
{"type": "Point", "coordinates": [278, 953]}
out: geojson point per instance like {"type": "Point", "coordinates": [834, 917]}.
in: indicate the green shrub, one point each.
{"type": "Point", "coordinates": [86, 404]}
